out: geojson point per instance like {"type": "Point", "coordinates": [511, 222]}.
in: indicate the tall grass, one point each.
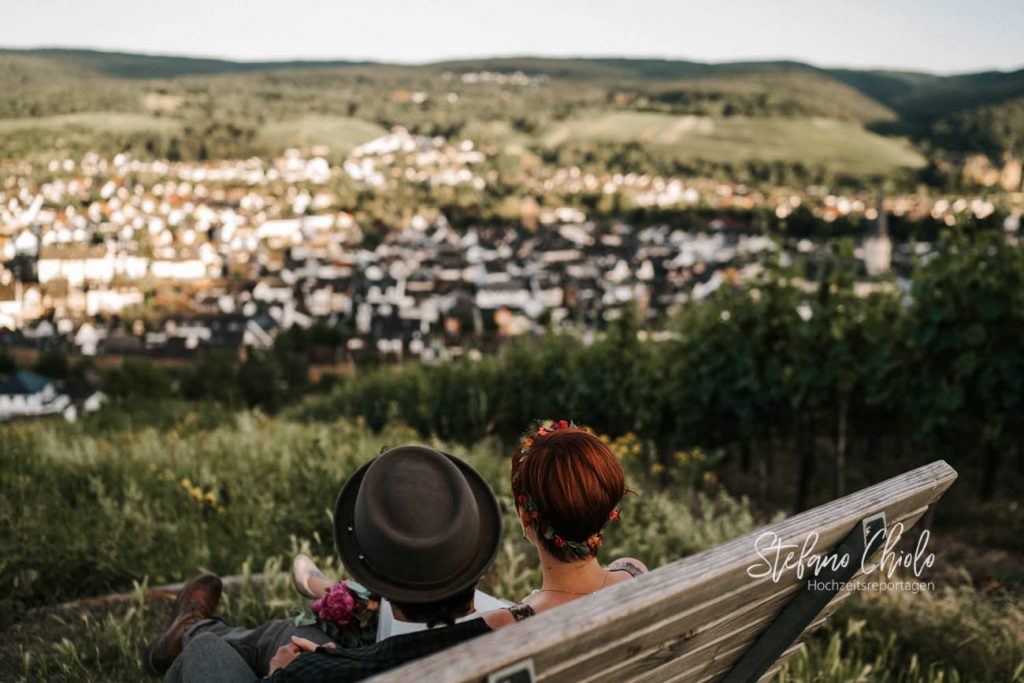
{"type": "Point", "coordinates": [953, 635]}
{"type": "Point", "coordinates": [86, 512]}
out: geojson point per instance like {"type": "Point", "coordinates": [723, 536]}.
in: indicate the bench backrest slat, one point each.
{"type": "Point", "coordinates": [691, 619]}
{"type": "Point", "coordinates": [713, 649]}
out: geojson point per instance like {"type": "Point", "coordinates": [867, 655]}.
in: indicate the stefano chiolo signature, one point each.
{"type": "Point", "coordinates": [776, 557]}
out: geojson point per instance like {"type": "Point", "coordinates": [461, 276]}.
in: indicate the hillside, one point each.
{"type": "Point", "coordinates": [816, 115]}
{"type": "Point", "coordinates": [130, 65]}
{"type": "Point", "coordinates": [837, 145]}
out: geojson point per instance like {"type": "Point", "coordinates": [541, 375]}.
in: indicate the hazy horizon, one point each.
{"type": "Point", "coordinates": [941, 36]}
{"type": "Point", "coordinates": [511, 55]}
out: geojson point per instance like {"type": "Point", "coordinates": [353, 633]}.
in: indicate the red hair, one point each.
{"type": "Point", "coordinates": [574, 481]}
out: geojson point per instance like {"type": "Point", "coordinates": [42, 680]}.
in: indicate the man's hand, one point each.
{"type": "Point", "coordinates": [286, 653]}
{"type": "Point", "coordinates": [305, 645]}
{"type": "Point", "coordinates": [283, 657]}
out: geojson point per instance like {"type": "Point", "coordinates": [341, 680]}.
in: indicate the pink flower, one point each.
{"type": "Point", "coordinates": [337, 606]}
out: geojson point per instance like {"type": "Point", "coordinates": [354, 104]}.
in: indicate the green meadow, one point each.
{"type": "Point", "coordinates": [340, 134]}
{"type": "Point", "coordinates": [841, 146]}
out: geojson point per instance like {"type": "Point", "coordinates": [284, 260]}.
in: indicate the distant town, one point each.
{"type": "Point", "coordinates": [120, 256]}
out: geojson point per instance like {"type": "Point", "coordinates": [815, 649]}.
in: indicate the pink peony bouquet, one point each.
{"type": "Point", "coordinates": [338, 605]}
{"type": "Point", "coordinates": [347, 613]}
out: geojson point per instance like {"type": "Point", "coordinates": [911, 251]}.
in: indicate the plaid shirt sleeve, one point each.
{"type": "Point", "coordinates": [355, 664]}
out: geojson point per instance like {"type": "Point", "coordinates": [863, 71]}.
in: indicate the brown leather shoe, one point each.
{"type": "Point", "coordinates": [196, 601]}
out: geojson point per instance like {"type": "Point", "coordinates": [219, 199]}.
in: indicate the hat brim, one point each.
{"type": "Point", "coordinates": [486, 543]}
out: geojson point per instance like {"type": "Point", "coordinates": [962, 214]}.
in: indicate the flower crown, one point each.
{"type": "Point", "coordinates": [578, 549]}
{"type": "Point", "coordinates": [542, 430]}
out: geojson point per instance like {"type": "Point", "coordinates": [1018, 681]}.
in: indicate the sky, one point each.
{"type": "Point", "coordinates": [940, 36]}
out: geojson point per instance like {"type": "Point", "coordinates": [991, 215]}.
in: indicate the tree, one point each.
{"type": "Point", "coordinates": [52, 364]}
{"type": "Point", "coordinates": [213, 378]}
{"type": "Point", "coordinates": [7, 363]}
{"type": "Point", "coordinates": [137, 379]}
{"type": "Point", "coordinates": [967, 323]}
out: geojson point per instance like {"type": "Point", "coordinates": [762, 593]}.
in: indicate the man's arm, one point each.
{"type": "Point", "coordinates": [286, 654]}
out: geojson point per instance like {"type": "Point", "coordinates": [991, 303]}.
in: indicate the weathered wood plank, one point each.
{"type": "Point", "coordinates": [665, 608]}
{"type": "Point", "coordinates": [684, 631]}
{"type": "Point", "coordinates": [709, 655]}
{"type": "Point", "coordinates": [718, 670]}
{"type": "Point", "coordinates": [693, 644]}
{"type": "Point", "coordinates": [713, 667]}
{"type": "Point", "coordinates": [579, 632]}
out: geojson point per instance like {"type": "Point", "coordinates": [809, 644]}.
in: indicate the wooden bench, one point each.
{"type": "Point", "coordinates": [702, 618]}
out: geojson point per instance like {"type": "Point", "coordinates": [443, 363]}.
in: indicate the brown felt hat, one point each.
{"type": "Point", "coordinates": [416, 525]}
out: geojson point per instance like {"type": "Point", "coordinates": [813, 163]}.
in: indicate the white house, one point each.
{"type": "Point", "coordinates": [285, 230]}
{"type": "Point", "coordinates": [180, 268]}
{"type": "Point", "coordinates": [26, 394]}
{"type": "Point", "coordinates": [88, 338]}
{"type": "Point", "coordinates": [77, 265]}
{"type": "Point", "coordinates": [26, 243]}
{"type": "Point", "coordinates": [111, 300]}
{"type": "Point", "coordinates": [10, 303]}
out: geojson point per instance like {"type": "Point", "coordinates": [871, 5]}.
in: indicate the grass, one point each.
{"type": "Point", "coordinates": [26, 136]}
{"type": "Point", "coordinates": [90, 510]}
{"type": "Point", "coordinates": [838, 145]}
{"type": "Point", "coordinates": [116, 504]}
{"type": "Point", "coordinates": [339, 133]}
{"type": "Point", "coordinates": [91, 121]}
{"type": "Point", "coordinates": [30, 137]}
{"type": "Point", "coordinates": [955, 634]}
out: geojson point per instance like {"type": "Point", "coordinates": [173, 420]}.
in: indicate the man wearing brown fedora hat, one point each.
{"type": "Point", "coordinates": [414, 525]}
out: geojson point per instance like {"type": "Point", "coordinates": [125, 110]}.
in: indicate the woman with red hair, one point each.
{"type": "Point", "coordinates": [567, 486]}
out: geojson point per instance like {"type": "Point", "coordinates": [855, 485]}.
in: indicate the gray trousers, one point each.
{"type": "Point", "coordinates": [214, 651]}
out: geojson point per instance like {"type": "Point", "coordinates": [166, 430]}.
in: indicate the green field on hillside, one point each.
{"type": "Point", "coordinates": [27, 137]}
{"type": "Point", "coordinates": [775, 111]}
{"type": "Point", "coordinates": [98, 122]}
{"type": "Point", "coordinates": [339, 133]}
{"type": "Point", "coordinates": [838, 145]}
{"type": "Point", "coordinates": [108, 132]}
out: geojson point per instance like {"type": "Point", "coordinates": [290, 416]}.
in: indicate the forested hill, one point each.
{"type": "Point", "coordinates": [958, 114]}
{"type": "Point", "coordinates": [132, 65]}
{"type": "Point", "coordinates": [914, 94]}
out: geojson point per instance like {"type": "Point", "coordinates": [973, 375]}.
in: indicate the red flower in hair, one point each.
{"type": "Point", "coordinates": [613, 516]}
{"type": "Point", "coordinates": [559, 542]}
{"type": "Point", "coordinates": [522, 499]}
{"type": "Point", "coordinates": [563, 425]}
